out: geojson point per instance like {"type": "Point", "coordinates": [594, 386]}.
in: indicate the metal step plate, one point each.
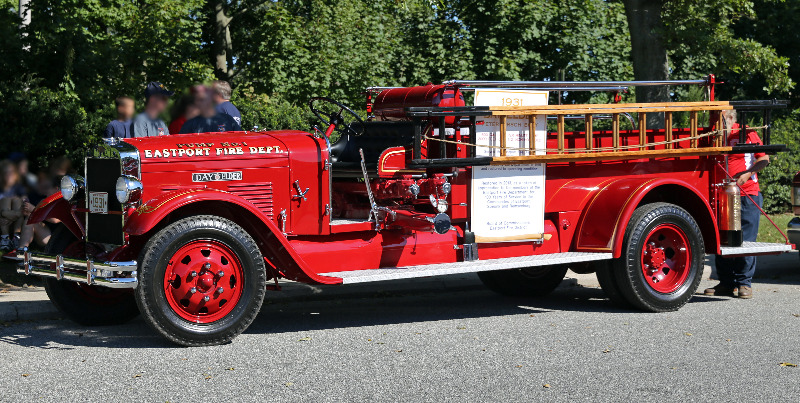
{"type": "Point", "coordinates": [754, 248]}
{"type": "Point", "coordinates": [397, 273]}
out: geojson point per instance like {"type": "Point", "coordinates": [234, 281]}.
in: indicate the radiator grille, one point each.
{"type": "Point", "coordinates": [260, 194]}
{"type": "Point", "coordinates": [101, 176]}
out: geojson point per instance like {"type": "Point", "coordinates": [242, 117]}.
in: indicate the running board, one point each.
{"type": "Point", "coordinates": [755, 248]}
{"type": "Point", "coordinates": [397, 273]}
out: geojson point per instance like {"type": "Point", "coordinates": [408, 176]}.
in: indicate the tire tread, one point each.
{"type": "Point", "coordinates": [631, 288]}
{"type": "Point", "coordinates": [161, 241]}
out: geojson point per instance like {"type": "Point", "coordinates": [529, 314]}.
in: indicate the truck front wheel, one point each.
{"type": "Point", "coordinates": [88, 305]}
{"type": "Point", "coordinates": [201, 281]}
{"type": "Point", "coordinates": [662, 258]}
{"type": "Point", "coordinates": [527, 282]}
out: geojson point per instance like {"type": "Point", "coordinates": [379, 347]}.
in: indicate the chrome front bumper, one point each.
{"type": "Point", "coordinates": [108, 274]}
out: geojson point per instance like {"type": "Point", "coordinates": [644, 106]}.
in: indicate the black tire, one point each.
{"type": "Point", "coordinates": [627, 271]}
{"type": "Point", "coordinates": [608, 283]}
{"type": "Point", "coordinates": [84, 304]}
{"type": "Point", "coordinates": [153, 300]}
{"type": "Point", "coordinates": [527, 282]}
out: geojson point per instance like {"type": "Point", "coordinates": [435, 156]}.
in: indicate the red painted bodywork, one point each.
{"type": "Point", "coordinates": [390, 104]}
{"type": "Point", "coordinates": [284, 173]}
{"type": "Point", "coordinates": [54, 206]}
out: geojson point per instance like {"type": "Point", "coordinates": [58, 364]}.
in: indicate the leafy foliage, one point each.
{"type": "Point", "coordinates": [270, 112]}
{"type": "Point", "coordinates": [776, 178]}
{"type": "Point", "coordinates": [46, 123]}
{"type": "Point", "coordinates": [702, 39]}
{"type": "Point", "coordinates": [62, 72]}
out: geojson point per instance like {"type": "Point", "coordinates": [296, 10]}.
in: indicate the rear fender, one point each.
{"type": "Point", "coordinates": [56, 207]}
{"type": "Point", "coordinates": [178, 204]}
{"type": "Point", "coordinates": [602, 227]}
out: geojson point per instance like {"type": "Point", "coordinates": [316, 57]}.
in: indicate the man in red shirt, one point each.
{"type": "Point", "coordinates": [736, 274]}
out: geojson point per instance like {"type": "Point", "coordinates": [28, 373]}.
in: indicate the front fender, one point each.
{"type": "Point", "coordinates": [602, 227]}
{"type": "Point", "coordinates": [152, 212]}
{"type": "Point", "coordinates": [55, 206]}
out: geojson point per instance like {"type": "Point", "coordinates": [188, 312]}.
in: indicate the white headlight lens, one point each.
{"type": "Point", "coordinates": [128, 189]}
{"type": "Point", "coordinates": [69, 187]}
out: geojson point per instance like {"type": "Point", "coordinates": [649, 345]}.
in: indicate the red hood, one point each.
{"type": "Point", "coordinates": [210, 146]}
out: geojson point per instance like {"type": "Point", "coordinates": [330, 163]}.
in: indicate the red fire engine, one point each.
{"type": "Point", "coordinates": [193, 230]}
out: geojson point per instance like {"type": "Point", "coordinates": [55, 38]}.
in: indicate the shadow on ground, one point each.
{"type": "Point", "coordinates": [317, 310]}
{"type": "Point", "coordinates": [303, 308]}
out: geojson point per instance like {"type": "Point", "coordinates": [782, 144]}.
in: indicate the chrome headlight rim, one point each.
{"type": "Point", "coordinates": [71, 186]}
{"type": "Point", "coordinates": [128, 189]}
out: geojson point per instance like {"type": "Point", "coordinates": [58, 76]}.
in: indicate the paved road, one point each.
{"type": "Point", "coordinates": [436, 340]}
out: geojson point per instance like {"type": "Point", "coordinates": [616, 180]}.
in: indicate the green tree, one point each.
{"type": "Point", "coordinates": [772, 23]}
{"type": "Point", "coordinates": [776, 178]}
{"type": "Point", "coordinates": [99, 49]}
{"type": "Point", "coordinates": [546, 40]}
{"type": "Point", "coordinates": [697, 38]}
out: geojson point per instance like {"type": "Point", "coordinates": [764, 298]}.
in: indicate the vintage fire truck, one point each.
{"type": "Point", "coordinates": [192, 231]}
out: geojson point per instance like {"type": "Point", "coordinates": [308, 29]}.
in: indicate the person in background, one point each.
{"type": "Point", "coordinates": [12, 195]}
{"type": "Point", "coordinates": [121, 127]}
{"type": "Point", "coordinates": [209, 119]}
{"type": "Point", "coordinates": [59, 167]}
{"type": "Point", "coordinates": [23, 169]}
{"type": "Point", "coordinates": [736, 273]}
{"type": "Point", "coordinates": [41, 231]}
{"type": "Point", "coordinates": [184, 109]}
{"type": "Point", "coordinates": [148, 123]}
{"type": "Point", "coordinates": [221, 92]}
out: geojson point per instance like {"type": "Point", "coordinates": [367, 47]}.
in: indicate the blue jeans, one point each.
{"type": "Point", "coordinates": [738, 271]}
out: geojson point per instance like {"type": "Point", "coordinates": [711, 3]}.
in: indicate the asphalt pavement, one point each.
{"type": "Point", "coordinates": [430, 340]}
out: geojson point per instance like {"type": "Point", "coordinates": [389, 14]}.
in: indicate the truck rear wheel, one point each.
{"type": "Point", "coordinates": [84, 304]}
{"type": "Point", "coordinates": [527, 282]}
{"type": "Point", "coordinates": [605, 276]}
{"type": "Point", "coordinates": [662, 261]}
{"type": "Point", "coordinates": [201, 281]}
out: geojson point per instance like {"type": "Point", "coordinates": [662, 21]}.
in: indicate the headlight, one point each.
{"type": "Point", "coordinates": [128, 189]}
{"type": "Point", "coordinates": [70, 186]}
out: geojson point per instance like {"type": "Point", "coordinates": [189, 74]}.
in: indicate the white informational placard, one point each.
{"type": "Point", "coordinates": [517, 139]}
{"type": "Point", "coordinates": [507, 202]}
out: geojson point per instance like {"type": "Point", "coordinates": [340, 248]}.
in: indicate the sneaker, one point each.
{"type": "Point", "coordinates": [15, 241]}
{"type": "Point", "coordinates": [720, 290]}
{"type": "Point", "coordinates": [745, 292]}
{"type": "Point", "coordinates": [5, 243]}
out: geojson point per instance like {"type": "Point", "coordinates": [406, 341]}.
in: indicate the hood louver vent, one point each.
{"type": "Point", "coordinates": [260, 194]}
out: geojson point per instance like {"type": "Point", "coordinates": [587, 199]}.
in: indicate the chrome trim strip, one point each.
{"type": "Point", "coordinates": [126, 153]}
{"type": "Point", "coordinates": [81, 271]}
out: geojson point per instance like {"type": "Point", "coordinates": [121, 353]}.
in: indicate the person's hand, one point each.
{"type": "Point", "coordinates": [742, 177]}
{"type": "Point", "coordinates": [27, 208]}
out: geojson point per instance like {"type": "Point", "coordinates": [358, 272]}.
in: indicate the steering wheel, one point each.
{"type": "Point", "coordinates": [334, 119]}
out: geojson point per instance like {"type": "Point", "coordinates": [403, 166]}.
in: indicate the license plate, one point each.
{"type": "Point", "coordinates": [98, 202]}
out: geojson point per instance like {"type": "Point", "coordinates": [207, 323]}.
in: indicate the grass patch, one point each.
{"type": "Point", "coordinates": [768, 233]}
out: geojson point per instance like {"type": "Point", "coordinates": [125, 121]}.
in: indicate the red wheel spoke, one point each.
{"type": "Point", "coordinates": [197, 283]}
{"type": "Point", "coordinates": [666, 260]}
